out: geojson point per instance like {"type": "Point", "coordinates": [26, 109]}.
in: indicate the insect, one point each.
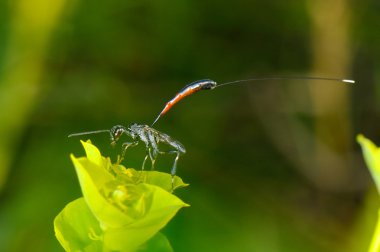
{"type": "Point", "coordinates": [149, 136]}
{"type": "Point", "coordinates": [152, 137]}
{"type": "Point", "coordinates": [208, 84]}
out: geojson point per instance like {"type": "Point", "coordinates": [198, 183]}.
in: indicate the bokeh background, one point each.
{"type": "Point", "coordinates": [273, 165]}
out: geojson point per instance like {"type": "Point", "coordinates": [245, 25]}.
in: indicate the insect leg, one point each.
{"type": "Point", "coordinates": [152, 159]}
{"type": "Point", "coordinates": [153, 147]}
{"type": "Point", "coordinates": [174, 168]}
{"type": "Point", "coordinates": [143, 164]}
{"type": "Point", "coordinates": [152, 156]}
{"type": "Point", "coordinates": [146, 157]}
{"type": "Point", "coordinates": [125, 146]}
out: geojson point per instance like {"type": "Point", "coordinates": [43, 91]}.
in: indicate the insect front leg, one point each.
{"type": "Point", "coordinates": [125, 146]}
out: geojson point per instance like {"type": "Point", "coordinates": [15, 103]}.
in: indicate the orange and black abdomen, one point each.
{"type": "Point", "coordinates": [186, 91]}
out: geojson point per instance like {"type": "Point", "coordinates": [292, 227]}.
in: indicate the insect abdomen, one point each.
{"type": "Point", "coordinates": [179, 147]}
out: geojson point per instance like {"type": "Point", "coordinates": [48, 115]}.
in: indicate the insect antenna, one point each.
{"type": "Point", "coordinates": [88, 133]}
{"type": "Point", "coordinates": [285, 78]}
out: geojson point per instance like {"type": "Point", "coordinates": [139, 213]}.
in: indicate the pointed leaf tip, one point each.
{"type": "Point", "coordinates": [92, 152]}
{"type": "Point", "coordinates": [371, 155]}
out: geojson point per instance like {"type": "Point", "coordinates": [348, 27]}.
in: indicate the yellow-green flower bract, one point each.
{"type": "Point", "coordinates": [121, 208]}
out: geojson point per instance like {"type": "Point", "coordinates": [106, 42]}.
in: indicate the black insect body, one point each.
{"type": "Point", "coordinates": [149, 136]}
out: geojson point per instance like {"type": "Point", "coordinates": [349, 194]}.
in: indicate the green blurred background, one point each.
{"type": "Point", "coordinates": [273, 166]}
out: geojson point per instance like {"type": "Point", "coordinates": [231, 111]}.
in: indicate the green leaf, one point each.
{"type": "Point", "coordinates": [375, 243]}
{"type": "Point", "coordinates": [371, 155]}
{"type": "Point", "coordinates": [77, 229]}
{"type": "Point", "coordinates": [372, 158]}
{"type": "Point", "coordinates": [93, 179]}
{"type": "Point", "coordinates": [159, 243]}
{"type": "Point", "coordinates": [129, 206]}
{"type": "Point", "coordinates": [162, 207]}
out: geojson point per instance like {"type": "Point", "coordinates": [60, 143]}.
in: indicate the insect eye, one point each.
{"type": "Point", "coordinates": [118, 133]}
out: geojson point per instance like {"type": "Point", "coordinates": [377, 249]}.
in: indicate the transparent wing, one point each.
{"type": "Point", "coordinates": [165, 138]}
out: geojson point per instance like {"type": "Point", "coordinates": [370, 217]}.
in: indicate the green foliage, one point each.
{"type": "Point", "coordinates": [372, 158]}
{"type": "Point", "coordinates": [121, 209]}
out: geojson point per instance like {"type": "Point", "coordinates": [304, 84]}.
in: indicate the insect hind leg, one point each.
{"type": "Point", "coordinates": [174, 167]}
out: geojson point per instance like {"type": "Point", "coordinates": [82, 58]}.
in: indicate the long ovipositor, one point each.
{"type": "Point", "coordinates": [208, 84]}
